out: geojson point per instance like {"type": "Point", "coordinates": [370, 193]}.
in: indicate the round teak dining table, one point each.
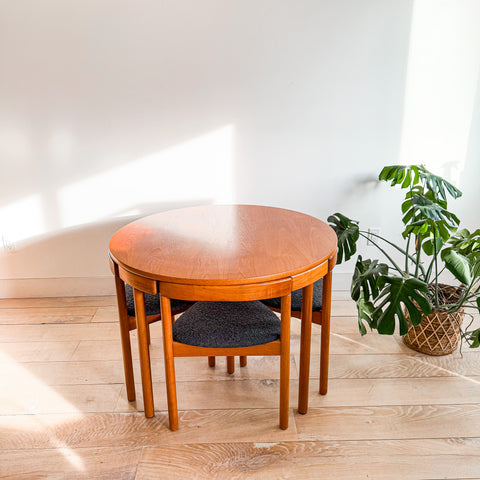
{"type": "Point", "coordinates": [226, 245]}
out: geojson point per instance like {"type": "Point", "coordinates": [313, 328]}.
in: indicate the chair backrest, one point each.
{"type": "Point", "coordinates": [230, 293]}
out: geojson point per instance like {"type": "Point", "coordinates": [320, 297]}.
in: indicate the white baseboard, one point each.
{"type": "Point", "coordinates": [57, 287]}
{"type": "Point", "coordinates": [94, 286]}
{"type": "Point", "coordinates": [341, 281]}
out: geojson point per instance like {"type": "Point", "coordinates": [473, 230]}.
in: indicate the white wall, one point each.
{"type": "Point", "coordinates": [114, 109]}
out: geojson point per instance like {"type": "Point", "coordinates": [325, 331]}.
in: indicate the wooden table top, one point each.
{"type": "Point", "coordinates": [223, 244]}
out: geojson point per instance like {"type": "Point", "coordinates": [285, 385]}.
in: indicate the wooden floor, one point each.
{"type": "Point", "coordinates": [390, 413]}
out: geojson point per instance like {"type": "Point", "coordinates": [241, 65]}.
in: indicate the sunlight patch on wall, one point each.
{"type": "Point", "coordinates": [199, 169]}
{"type": "Point", "coordinates": [195, 170]}
{"type": "Point", "coordinates": [442, 78]}
{"type": "Point", "coordinates": [22, 219]}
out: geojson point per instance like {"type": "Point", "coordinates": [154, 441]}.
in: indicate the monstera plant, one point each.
{"type": "Point", "coordinates": [403, 289]}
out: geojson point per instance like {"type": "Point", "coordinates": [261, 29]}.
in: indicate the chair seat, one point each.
{"type": "Point", "coordinates": [297, 299]}
{"type": "Point", "coordinates": [152, 303]}
{"type": "Point", "coordinates": [227, 325]}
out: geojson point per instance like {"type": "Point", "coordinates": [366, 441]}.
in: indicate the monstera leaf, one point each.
{"type": "Point", "coordinates": [410, 175]}
{"type": "Point", "coordinates": [403, 175]}
{"type": "Point", "coordinates": [347, 234]}
{"type": "Point", "coordinates": [423, 215]}
{"type": "Point", "coordinates": [465, 242]}
{"type": "Point", "coordinates": [457, 264]}
{"type": "Point", "coordinates": [473, 337]}
{"type": "Point", "coordinates": [474, 260]}
{"type": "Point", "coordinates": [366, 313]}
{"type": "Point", "coordinates": [365, 278]}
{"type": "Point", "coordinates": [432, 245]}
{"type": "Point", "coordinates": [399, 292]}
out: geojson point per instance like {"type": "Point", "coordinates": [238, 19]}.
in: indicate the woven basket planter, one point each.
{"type": "Point", "coordinates": [437, 334]}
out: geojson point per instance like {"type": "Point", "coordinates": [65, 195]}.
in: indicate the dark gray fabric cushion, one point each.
{"type": "Point", "coordinates": [297, 298]}
{"type": "Point", "coordinates": [152, 303]}
{"type": "Point", "coordinates": [227, 325]}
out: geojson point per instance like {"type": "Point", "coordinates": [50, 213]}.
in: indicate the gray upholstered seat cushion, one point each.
{"type": "Point", "coordinates": [297, 299]}
{"type": "Point", "coordinates": [227, 325]}
{"type": "Point", "coordinates": [152, 303]}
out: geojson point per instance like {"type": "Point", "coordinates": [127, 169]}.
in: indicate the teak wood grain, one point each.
{"type": "Point", "coordinates": [207, 293]}
{"type": "Point", "coordinates": [223, 244]}
{"type": "Point", "coordinates": [224, 253]}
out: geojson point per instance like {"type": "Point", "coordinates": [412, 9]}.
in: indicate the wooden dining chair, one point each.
{"type": "Point", "coordinates": [127, 320]}
{"type": "Point", "coordinates": [321, 304]}
{"type": "Point", "coordinates": [226, 321]}
{"type": "Point", "coordinates": [274, 303]}
{"type": "Point", "coordinates": [126, 315]}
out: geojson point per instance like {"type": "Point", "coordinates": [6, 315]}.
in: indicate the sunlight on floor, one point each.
{"type": "Point", "coordinates": [446, 370]}
{"type": "Point", "coordinates": [24, 394]}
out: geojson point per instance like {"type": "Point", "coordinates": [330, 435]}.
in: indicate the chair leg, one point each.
{"type": "Point", "coordinates": [148, 334]}
{"type": "Point", "coordinates": [211, 361]}
{"type": "Point", "coordinates": [285, 361]}
{"type": "Point", "coordinates": [325, 336]}
{"type": "Point", "coordinates": [125, 336]}
{"type": "Point", "coordinates": [317, 317]}
{"type": "Point", "coordinates": [243, 361]}
{"type": "Point", "coordinates": [230, 365]}
{"type": "Point", "coordinates": [169, 363]}
{"type": "Point", "coordinates": [145, 367]}
{"type": "Point", "coordinates": [305, 344]}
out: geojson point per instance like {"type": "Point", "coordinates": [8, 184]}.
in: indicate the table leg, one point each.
{"type": "Point", "coordinates": [125, 336]}
{"type": "Point", "coordinates": [325, 337]}
{"type": "Point", "coordinates": [286, 306]}
{"type": "Point", "coordinates": [145, 367]}
{"type": "Point", "coordinates": [169, 362]}
{"type": "Point", "coordinates": [230, 365]}
{"type": "Point", "coordinates": [305, 342]}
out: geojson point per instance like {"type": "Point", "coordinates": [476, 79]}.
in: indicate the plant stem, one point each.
{"type": "Point", "coordinates": [368, 236]}
{"type": "Point", "coordinates": [418, 249]}
{"type": "Point", "coordinates": [407, 256]}
{"type": "Point", "coordinates": [386, 254]}
{"type": "Point", "coordinates": [436, 267]}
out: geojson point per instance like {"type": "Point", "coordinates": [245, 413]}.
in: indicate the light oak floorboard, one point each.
{"type": "Point", "coordinates": [92, 350]}
{"type": "Point", "coordinates": [391, 413]}
{"type": "Point", "coordinates": [100, 301]}
{"type": "Point", "coordinates": [397, 391]}
{"type": "Point", "coordinates": [24, 316]}
{"type": "Point", "coordinates": [63, 373]}
{"type": "Point", "coordinates": [345, 307]}
{"type": "Point", "coordinates": [348, 344]}
{"type": "Point", "coordinates": [25, 351]}
{"type": "Point", "coordinates": [394, 460]}
{"type": "Point", "coordinates": [342, 392]}
{"type": "Point", "coordinates": [38, 398]}
{"type": "Point", "coordinates": [112, 463]}
{"type": "Point", "coordinates": [106, 315]}
{"type": "Point", "coordinates": [389, 422]}
{"type": "Point", "coordinates": [59, 333]}
{"type": "Point", "coordinates": [210, 395]}
{"type": "Point", "coordinates": [194, 369]}
{"type": "Point", "coordinates": [27, 432]}
{"type": "Point", "coordinates": [397, 366]}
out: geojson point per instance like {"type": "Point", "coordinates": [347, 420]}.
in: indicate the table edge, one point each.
{"type": "Point", "coordinates": [229, 281]}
